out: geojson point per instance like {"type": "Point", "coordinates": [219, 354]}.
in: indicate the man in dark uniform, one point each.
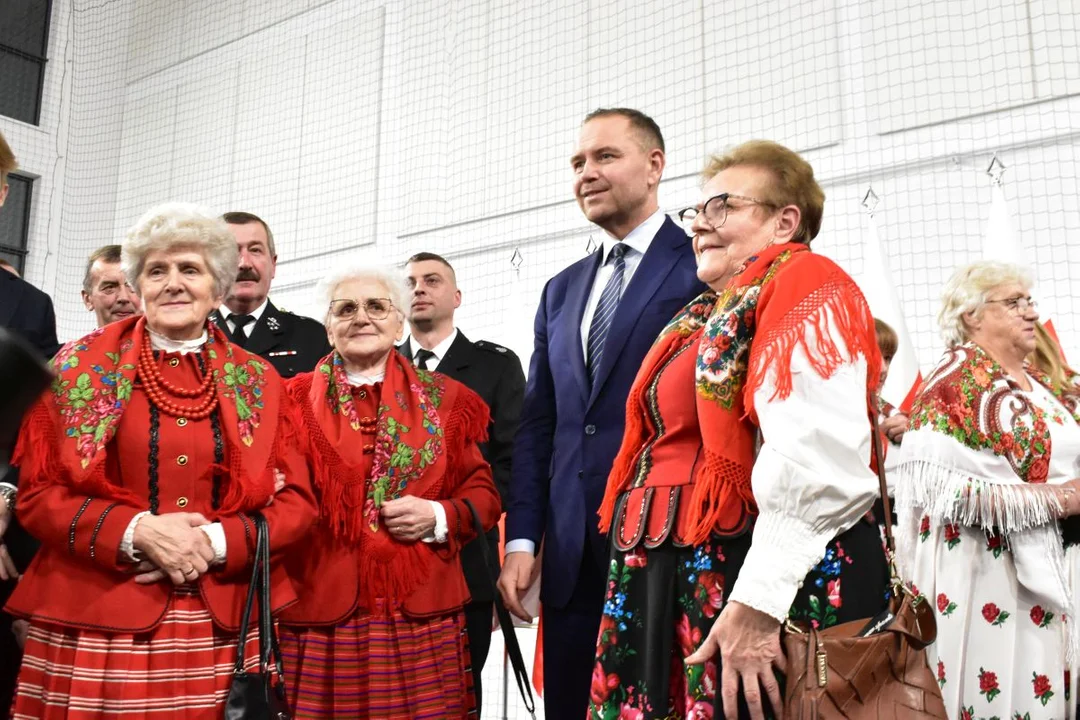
{"type": "Point", "coordinates": [494, 373]}
{"type": "Point", "coordinates": [293, 344]}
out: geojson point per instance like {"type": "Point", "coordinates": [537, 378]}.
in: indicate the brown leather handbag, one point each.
{"type": "Point", "coordinates": [858, 671]}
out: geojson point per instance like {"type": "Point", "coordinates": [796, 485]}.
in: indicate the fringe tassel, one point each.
{"type": "Point", "coordinates": [393, 574]}
{"type": "Point", "coordinates": [837, 307]}
{"type": "Point", "coordinates": [950, 495]}
{"type": "Point", "coordinates": [243, 492]}
{"type": "Point", "coordinates": [721, 498]}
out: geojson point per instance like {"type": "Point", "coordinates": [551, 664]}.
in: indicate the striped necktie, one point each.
{"type": "Point", "coordinates": [605, 309]}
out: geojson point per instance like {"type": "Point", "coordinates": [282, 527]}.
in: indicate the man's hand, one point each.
{"type": "Point", "coordinates": [174, 547]}
{"type": "Point", "coordinates": [515, 579]}
{"type": "Point", "coordinates": [21, 628]}
{"type": "Point", "coordinates": [408, 517]}
{"type": "Point", "coordinates": [894, 427]}
{"type": "Point", "coordinates": [748, 641]}
{"type": "Point", "coordinates": [8, 571]}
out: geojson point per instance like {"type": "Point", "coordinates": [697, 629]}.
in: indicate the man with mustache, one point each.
{"type": "Point", "coordinates": [596, 320]}
{"type": "Point", "coordinates": [291, 343]}
{"type": "Point", "coordinates": [106, 291]}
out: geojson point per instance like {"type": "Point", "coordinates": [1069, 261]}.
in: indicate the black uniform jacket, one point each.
{"type": "Point", "coordinates": [292, 343]}
{"type": "Point", "coordinates": [494, 373]}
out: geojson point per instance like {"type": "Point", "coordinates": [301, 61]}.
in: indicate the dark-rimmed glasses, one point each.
{"type": "Point", "coordinates": [374, 308]}
{"type": "Point", "coordinates": [1018, 305]}
{"type": "Point", "coordinates": [715, 210]}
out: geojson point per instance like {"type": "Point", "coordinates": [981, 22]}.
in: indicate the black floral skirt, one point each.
{"type": "Point", "coordinates": [660, 605]}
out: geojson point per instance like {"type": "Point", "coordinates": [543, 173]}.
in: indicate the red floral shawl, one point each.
{"type": "Point", "coordinates": [66, 434]}
{"type": "Point", "coordinates": [743, 334]}
{"type": "Point", "coordinates": [411, 457]}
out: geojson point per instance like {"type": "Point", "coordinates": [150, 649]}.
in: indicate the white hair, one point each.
{"type": "Point", "coordinates": [178, 225]}
{"type": "Point", "coordinates": [387, 275]}
{"type": "Point", "coordinates": [967, 292]}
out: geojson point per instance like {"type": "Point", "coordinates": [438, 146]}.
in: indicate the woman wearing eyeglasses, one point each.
{"type": "Point", "coordinates": [738, 495]}
{"type": "Point", "coordinates": [987, 473]}
{"type": "Point", "coordinates": [379, 630]}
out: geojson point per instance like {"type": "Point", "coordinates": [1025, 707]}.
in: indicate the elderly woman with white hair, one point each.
{"type": "Point", "coordinates": [141, 468]}
{"type": "Point", "coordinates": [987, 475]}
{"type": "Point", "coordinates": [379, 630]}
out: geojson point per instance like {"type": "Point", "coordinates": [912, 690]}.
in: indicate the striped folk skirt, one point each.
{"type": "Point", "coordinates": [373, 666]}
{"type": "Point", "coordinates": [182, 669]}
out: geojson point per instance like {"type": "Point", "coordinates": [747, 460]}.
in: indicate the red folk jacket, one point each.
{"type": "Point", "coordinates": [78, 579]}
{"type": "Point", "coordinates": [327, 575]}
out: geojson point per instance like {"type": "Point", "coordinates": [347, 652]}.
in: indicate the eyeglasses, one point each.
{"type": "Point", "coordinates": [1019, 305]}
{"type": "Point", "coordinates": [715, 210]}
{"type": "Point", "coordinates": [374, 308]}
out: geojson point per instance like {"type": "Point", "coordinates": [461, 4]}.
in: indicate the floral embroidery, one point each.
{"type": "Point", "coordinates": [243, 383]}
{"type": "Point", "coordinates": [988, 684]}
{"type": "Point", "coordinates": [1018, 716]}
{"type": "Point", "coordinates": [724, 349]}
{"type": "Point", "coordinates": [821, 612]}
{"type": "Point", "coordinates": [944, 605]}
{"type": "Point", "coordinates": [924, 528]}
{"type": "Point", "coordinates": [940, 674]}
{"type": "Point", "coordinates": [994, 544]}
{"type": "Point", "coordinates": [396, 463]}
{"type": "Point", "coordinates": [952, 535]}
{"type": "Point", "coordinates": [1041, 687]}
{"type": "Point", "coordinates": [338, 392]}
{"type": "Point", "coordinates": [961, 400]}
{"type": "Point", "coordinates": [90, 408]}
{"type": "Point", "coordinates": [994, 615]}
{"type": "Point", "coordinates": [1040, 617]}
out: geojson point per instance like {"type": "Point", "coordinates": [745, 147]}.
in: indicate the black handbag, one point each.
{"type": "Point", "coordinates": [255, 696]}
{"type": "Point", "coordinates": [521, 675]}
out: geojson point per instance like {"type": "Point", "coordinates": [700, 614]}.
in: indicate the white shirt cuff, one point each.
{"type": "Point", "coordinates": [216, 534]}
{"type": "Point", "coordinates": [521, 545]}
{"type": "Point", "coordinates": [438, 535]}
{"type": "Point", "coordinates": [127, 543]}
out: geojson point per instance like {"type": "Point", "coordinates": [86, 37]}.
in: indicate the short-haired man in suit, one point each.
{"type": "Point", "coordinates": [106, 292]}
{"type": "Point", "coordinates": [291, 343]}
{"type": "Point", "coordinates": [494, 373]}
{"type": "Point", "coordinates": [596, 321]}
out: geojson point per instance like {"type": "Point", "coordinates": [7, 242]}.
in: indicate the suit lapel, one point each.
{"type": "Point", "coordinates": [651, 272]}
{"type": "Point", "coordinates": [572, 316]}
{"type": "Point", "coordinates": [457, 357]}
{"type": "Point", "coordinates": [268, 331]}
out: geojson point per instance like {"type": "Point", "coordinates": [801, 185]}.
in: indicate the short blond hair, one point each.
{"type": "Point", "coordinates": [793, 181]}
{"type": "Point", "coordinates": [8, 164]}
{"type": "Point", "coordinates": [967, 291]}
{"type": "Point", "coordinates": [182, 225]}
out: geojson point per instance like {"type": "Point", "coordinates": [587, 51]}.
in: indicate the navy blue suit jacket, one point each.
{"type": "Point", "coordinates": [570, 432]}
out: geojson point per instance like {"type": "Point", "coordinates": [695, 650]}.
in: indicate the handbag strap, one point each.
{"type": "Point", "coordinates": [883, 488]}
{"type": "Point", "coordinates": [269, 648]}
{"type": "Point", "coordinates": [253, 585]}
{"type": "Point", "coordinates": [505, 622]}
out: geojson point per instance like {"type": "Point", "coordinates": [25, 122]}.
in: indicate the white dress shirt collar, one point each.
{"type": "Point", "coordinates": [640, 237]}
{"type": "Point", "coordinates": [224, 311]}
{"type": "Point", "coordinates": [439, 350]}
{"type": "Point", "coordinates": [358, 379]}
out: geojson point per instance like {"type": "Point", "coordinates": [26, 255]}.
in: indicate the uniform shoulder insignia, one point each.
{"type": "Point", "coordinates": [487, 345]}
{"type": "Point", "coordinates": [283, 310]}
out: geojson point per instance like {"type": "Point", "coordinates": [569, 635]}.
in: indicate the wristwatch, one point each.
{"type": "Point", "coordinates": [8, 493]}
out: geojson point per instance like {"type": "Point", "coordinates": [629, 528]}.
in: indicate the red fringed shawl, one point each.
{"type": "Point", "coordinates": [65, 436]}
{"type": "Point", "coordinates": [785, 298]}
{"type": "Point", "coordinates": [424, 423]}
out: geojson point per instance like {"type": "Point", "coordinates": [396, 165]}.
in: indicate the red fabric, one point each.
{"type": "Point", "coordinates": [182, 669]}
{"type": "Point", "coordinates": [786, 298]}
{"type": "Point", "coordinates": [78, 578]}
{"type": "Point", "coordinates": [420, 579]}
{"type": "Point", "coordinates": [382, 666]}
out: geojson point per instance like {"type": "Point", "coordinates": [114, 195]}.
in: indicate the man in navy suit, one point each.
{"type": "Point", "coordinates": [596, 320]}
